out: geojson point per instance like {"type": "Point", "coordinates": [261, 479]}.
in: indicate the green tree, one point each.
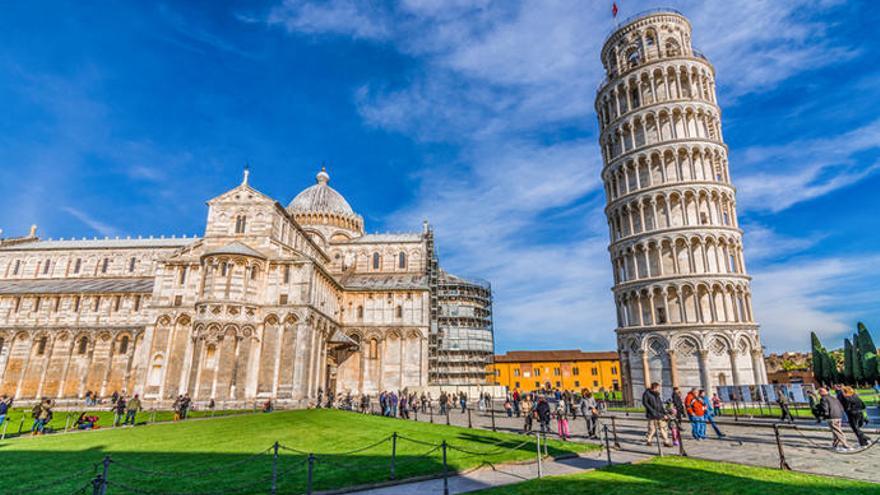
{"type": "Point", "coordinates": [848, 362]}
{"type": "Point", "coordinates": [858, 372]}
{"type": "Point", "coordinates": [818, 361]}
{"type": "Point", "coordinates": [869, 354]}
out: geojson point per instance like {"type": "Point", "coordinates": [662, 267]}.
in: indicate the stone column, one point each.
{"type": "Point", "coordinates": [705, 379]}
{"type": "Point", "coordinates": [758, 366]}
{"type": "Point", "coordinates": [673, 369]}
{"type": "Point", "coordinates": [646, 371]}
{"type": "Point", "coordinates": [734, 372]}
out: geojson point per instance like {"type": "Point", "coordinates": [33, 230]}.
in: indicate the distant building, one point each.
{"type": "Point", "coordinates": [790, 367]}
{"type": "Point", "coordinates": [565, 370]}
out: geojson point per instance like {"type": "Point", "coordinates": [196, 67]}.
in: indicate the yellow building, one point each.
{"type": "Point", "coordinates": [564, 370]}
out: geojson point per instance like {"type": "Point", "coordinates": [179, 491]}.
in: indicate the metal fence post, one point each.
{"type": "Point", "coordinates": [274, 467]}
{"type": "Point", "coordinates": [492, 411]}
{"type": "Point", "coordinates": [681, 450]}
{"type": "Point", "coordinates": [735, 412]}
{"type": "Point", "coordinates": [447, 416]}
{"type": "Point", "coordinates": [470, 424]}
{"type": "Point", "coordinates": [310, 474]}
{"type": "Point", "coordinates": [614, 432]}
{"type": "Point", "coordinates": [538, 448]}
{"type": "Point", "coordinates": [104, 475]}
{"type": "Point", "coordinates": [3, 435]}
{"type": "Point", "coordinates": [431, 410]}
{"type": "Point", "coordinates": [607, 443]}
{"type": "Point", "coordinates": [393, 452]}
{"type": "Point", "coordinates": [445, 470]}
{"type": "Point", "coordinates": [783, 464]}
{"type": "Point", "coordinates": [21, 424]}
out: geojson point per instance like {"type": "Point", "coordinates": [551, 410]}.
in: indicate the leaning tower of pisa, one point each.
{"type": "Point", "coordinates": [684, 309]}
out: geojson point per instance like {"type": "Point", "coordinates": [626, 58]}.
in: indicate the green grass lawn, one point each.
{"type": "Point", "coordinates": [65, 419]}
{"type": "Point", "coordinates": [680, 475]}
{"type": "Point", "coordinates": [220, 454]}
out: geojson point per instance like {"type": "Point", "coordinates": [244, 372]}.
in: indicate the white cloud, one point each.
{"type": "Point", "coordinates": [93, 223]}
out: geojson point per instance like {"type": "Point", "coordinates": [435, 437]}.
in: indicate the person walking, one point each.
{"type": "Point", "coordinates": [542, 410]}
{"type": "Point", "coordinates": [656, 415]}
{"type": "Point", "coordinates": [118, 411]}
{"type": "Point", "coordinates": [782, 400]}
{"type": "Point", "coordinates": [590, 411]}
{"type": "Point", "coordinates": [830, 408]}
{"type": "Point", "coordinates": [562, 421]}
{"type": "Point", "coordinates": [5, 407]}
{"type": "Point", "coordinates": [444, 402]}
{"type": "Point", "coordinates": [696, 410]}
{"type": "Point", "coordinates": [716, 405]}
{"type": "Point", "coordinates": [711, 411]}
{"type": "Point", "coordinates": [134, 407]}
{"type": "Point", "coordinates": [462, 400]}
{"type": "Point", "coordinates": [854, 408]}
{"type": "Point", "coordinates": [526, 409]}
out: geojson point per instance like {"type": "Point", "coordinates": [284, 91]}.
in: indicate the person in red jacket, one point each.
{"type": "Point", "coordinates": [696, 410]}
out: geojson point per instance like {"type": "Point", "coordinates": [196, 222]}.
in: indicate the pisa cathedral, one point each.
{"type": "Point", "coordinates": [683, 298]}
{"type": "Point", "coordinates": [271, 302]}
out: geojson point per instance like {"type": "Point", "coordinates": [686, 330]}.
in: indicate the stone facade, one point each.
{"type": "Point", "coordinates": [271, 302]}
{"type": "Point", "coordinates": [682, 293]}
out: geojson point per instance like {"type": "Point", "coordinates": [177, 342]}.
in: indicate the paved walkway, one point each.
{"type": "Point", "coordinates": [507, 474]}
{"type": "Point", "coordinates": [749, 441]}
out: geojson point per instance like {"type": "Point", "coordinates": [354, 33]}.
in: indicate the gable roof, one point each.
{"type": "Point", "coordinates": [236, 248]}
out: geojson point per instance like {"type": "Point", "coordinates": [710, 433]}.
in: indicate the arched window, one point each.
{"type": "Point", "coordinates": [123, 345]}
{"type": "Point", "coordinates": [374, 349]}
{"type": "Point", "coordinates": [375, 261]}
{"type": "Point", "coordinates": [77, 265]}
{"type": "Point", "coordinates": [83, 345]}
{"type": "Point", "coordinates": [131, 264]}
{"type": "Point", "coordinates": [399, 311]}
{"type": "Point", "coordinates": [401, 260]}
{"type": "Point", "coordinates": [211, 356]}
{"type": "Point", "coordinates": [46, 267]}
{"type": "Point", "coordinates": [104, 265]}
{"type": "Point", "coordinates": [155, 377]}
{"type": "Point", "coordinates": [1, 345]}
{"type": "Point", "coordinates": [360, 312]}
{"type": "Point", "coordinates": [240, 224]}
{"type": "Point", "coordinates": [672, 49]}
{"type": "Point", "coordinates": [41, 345]}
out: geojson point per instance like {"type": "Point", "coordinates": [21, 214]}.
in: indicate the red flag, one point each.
{"type": "Point", "coordinates": [614, 9]}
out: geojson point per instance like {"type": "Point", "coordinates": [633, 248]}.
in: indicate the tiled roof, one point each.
{"type": "Point", "coordinates": [77, 286]}
{"type": "Point", "coordinates": [563, 355]}
{"type": "Point", "coordinates": [106, 243]}
{"type": "Point", "coordinates": [385, 282]}
{"type": "Point", "coordinates": [389, 237]}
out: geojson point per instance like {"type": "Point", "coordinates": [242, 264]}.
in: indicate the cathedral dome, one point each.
{"type": "Point", "coordinates": [325, 211]}
{"type": "Point", "coordinates": [320, 198]}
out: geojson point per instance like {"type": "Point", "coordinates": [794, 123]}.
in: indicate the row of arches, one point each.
{"type": "Point", "coordinates": [661, 126]}
{"type": "Point", "coordinates": [666, 165]}
{"type": "Point", "coordinates": [230, 277]}
{"type": "Point", "coordinates": [66, 363]}
{"type": "Point", "coordinates": [708, 254]}
{"type": "Point", "coordinates": [666, 82]}
{"type": "Point", "coordinates": [685, 303]}
{"type": "Point", "coordinates": [701, 207]}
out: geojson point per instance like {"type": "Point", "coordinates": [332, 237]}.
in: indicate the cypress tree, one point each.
{"type": "Point", "coordinates": [848, 362]}
{"type": "Point", "coordinates": [858, 372]}
{"type": "Point", "coordinates": [869, 354]}
{"type": "Point", "coordinates": [818, 358]}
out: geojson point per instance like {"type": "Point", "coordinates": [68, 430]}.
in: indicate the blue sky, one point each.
{"type": "Point", "coordinates": [123, 119]}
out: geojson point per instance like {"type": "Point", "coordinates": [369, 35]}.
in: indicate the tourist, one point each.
{"type": "Point", "coordinates": [211, 404]}
{"type": "Point", "coordinates": [508, 407]}
{"type": "Point", "coordinates": [444, 402]}
{"type": "Point", "coordinates": [696, 409]}
{"type": "Point", "coordinates": [855, 414]}
{"type": "Point", "coordinates": [590, 412]}
{"type": "Point", "coordinates": [673, 422]}
{"type": "Point", "coordinates": [678, 404]}
{"type": "Point", "coordinates": [134, 407]}
{"type": "Point", "coordinates": [716, 405]}
{"type": "Point", "coordinates": [516, 402]}
{"type": "Point", "coordinates": [267, 406]}
{"type": "Point", "coordinates": [782, 400]}
{"type": "Point", "coordinates": [320, 397]}
{"type": "Point", "coordinates": [710, 414]}
{"type": "Point", "coordinates": [84, 422]}
{"type": "Point", "coordinates": [462, 400]}
{"type": "Point", "coordinates": [185, 405]}
{"type": "Point", "coordinates": [656, 414]}
{"type": "Point", "coordinates": [43, 416]}
{"type": "Point", "coordinates": [5, 407]}
{"type": "Point", "coordinates": [542, 410]}
{"type": "Point", "coordinates": [562, 422]}
{"type": "Point", "coordinates": [393, 402]}
{"type": "Point", "coordinates": [175, 406]}
{"type": "Point", "coordinates": [114, 397]}
{"type": "Point", "coordinates": [830, 408]}
{"type": "Point", "coordinates": [404, 406]}
{"type": "Point", "coordinates": [118, 410]}
{"type": "Point", "coordinates": [526, 410]}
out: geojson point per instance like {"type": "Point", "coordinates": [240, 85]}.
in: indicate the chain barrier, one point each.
{"type": "Point", "coordinates": [490, 453]}
{"type": "Point", "coordinates": [30, 489]}
{"type": "Point", "coordinates": [840, 452]}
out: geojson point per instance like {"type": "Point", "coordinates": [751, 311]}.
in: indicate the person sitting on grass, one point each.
{"type": "Point", "coordinates": [86, 422]}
